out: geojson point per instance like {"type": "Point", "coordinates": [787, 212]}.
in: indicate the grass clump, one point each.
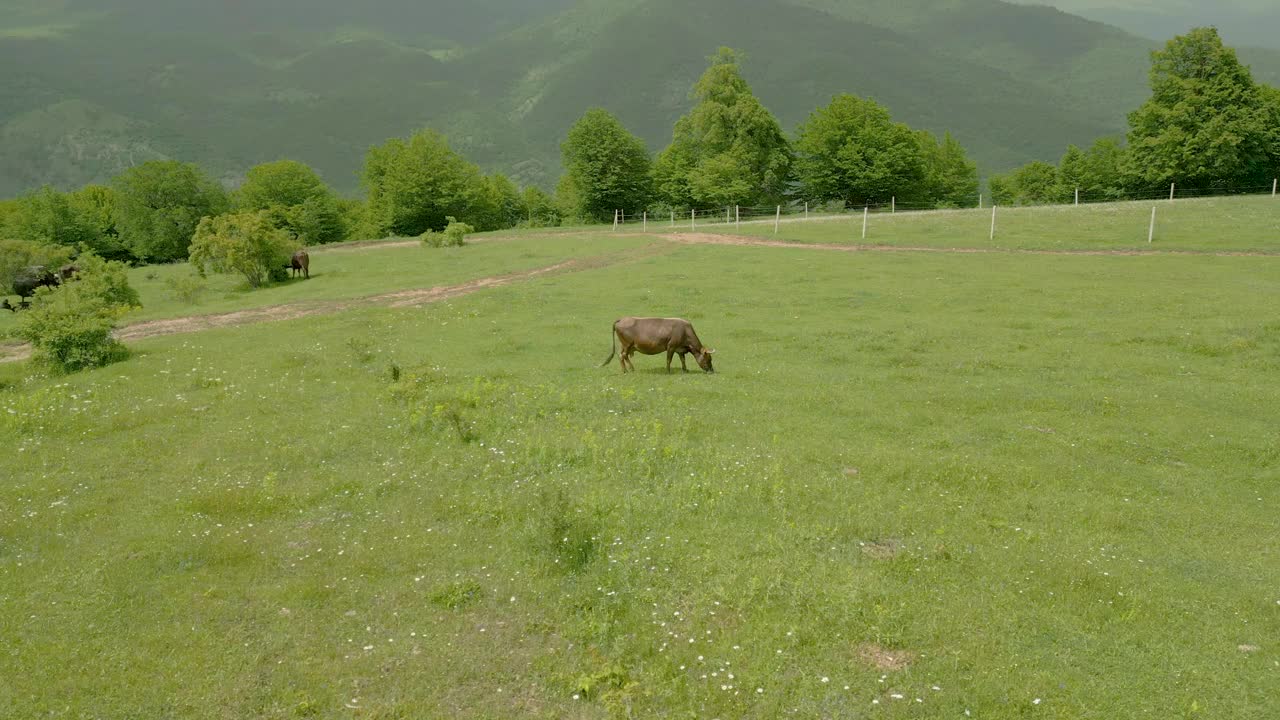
{"type": "Point", "coordinates": [454, 235]}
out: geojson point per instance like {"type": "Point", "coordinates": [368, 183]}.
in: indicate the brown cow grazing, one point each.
{"type": "Point", "coordinates": [652, 336]}
{"type": "Point", "coordinates": [300, 262]}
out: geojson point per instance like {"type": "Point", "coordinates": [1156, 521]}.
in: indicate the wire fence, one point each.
{"type": "Point", "coordinates": [719, 218]}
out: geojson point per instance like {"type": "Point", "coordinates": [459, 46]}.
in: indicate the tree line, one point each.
{"type": "Point", "coordinates": [1207, 124]}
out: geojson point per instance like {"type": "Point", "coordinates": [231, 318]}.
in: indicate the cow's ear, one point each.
{"type": "Point", "coordinates": [710, 351]}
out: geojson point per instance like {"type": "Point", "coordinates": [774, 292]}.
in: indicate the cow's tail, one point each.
{"type": "Point", "coordinates": [613, 336]}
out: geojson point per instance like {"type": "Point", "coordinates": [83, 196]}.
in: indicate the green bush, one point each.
{"type": "Point", "coordinates": [70, 325]}
{"type": "Point", "coordinates": [187, 288]}
{"type": "Point", "coordinates": [246, 243]}
{"type": "Point", "coordinates": [455, 235]}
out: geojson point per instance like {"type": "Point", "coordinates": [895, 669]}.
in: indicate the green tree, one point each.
{"type": "Point", "coordinates": [539, 208]}
{"type": "Point", "coordinates": [495, 203]}
{"type": "Point", "coordinates": [414, 185]}
{"type": "Point", "coordinates": [159, 204]}
{"type": "Point", "coordinates": [1103, 177]}
{"type": "Point", "coordinates": [70, 325]}
{"type": "Point", "coordinates": [48, 216]}
{"type": "Point", "coordinates": [951, 178]}
{"type": "Point", "coordinates": [247, 244]}
{"type": "Point", "coordinates": [729, 150]}
{"type": "Point", "coordinates": [1205, 124]}
{"type": "Point", "coordinates": [96, 206]}
{"type": "Point", "coordinates": [609, 168]}
{"type": "Point", "coordinates": [1036, 183]}
{"type": "Point", "coordinates": [852, 151]}
{"type": "Point", "coordinates": [296, 200]}
{"type": "Point", "coordinates": [1072, 174]}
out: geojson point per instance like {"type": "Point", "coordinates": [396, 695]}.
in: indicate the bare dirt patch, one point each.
{"type": "Point", "coordinates": [885, 549]}
{"type": "Point", "coordinates": [884, 659]}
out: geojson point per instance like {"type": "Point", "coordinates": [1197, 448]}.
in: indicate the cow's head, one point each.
{"type": "Point", "coordinates": [704, 359]}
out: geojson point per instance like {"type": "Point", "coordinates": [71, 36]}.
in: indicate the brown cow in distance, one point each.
{"type": "Point", "coordinates": [300, 262]}
{"type": "Point", "coordinates": [652, 336]}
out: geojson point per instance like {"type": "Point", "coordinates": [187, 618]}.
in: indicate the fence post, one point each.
{"type": "Point", "coordinates": [615, 221]}
{"type": "Point", "coordinates": [806, 205]}
{"type": "Point", "coordinates": [993, 222]}
{"type": "Point", "coordinates": [673, 219]}
{"type": "Point", "coordinates": [777, 218]}
{"type": "Point", "coordinates": [737, 217]}
{"type": "Point", "coordinates": [1077, 196]}
{"type": "Point", "coordinates": [893, 204]}
{"type": "Point", "coordinates": [866, 210]}
{"type": "Point", "coordinates": [1171, 188]}
{"type": "Point", "coordinates": [1273, 187]}
{"type": "Point", "coordinates": [646, 221]}
{"type": "Point", "coordinates": [693, 222]}
{"type": "Point", "coordinates": [726, 216]}
{"type": "Point", "coordinates": [1151, 233]}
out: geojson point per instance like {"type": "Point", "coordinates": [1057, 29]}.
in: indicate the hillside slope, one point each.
{"type": "Point", "coordinates": [92, 91]}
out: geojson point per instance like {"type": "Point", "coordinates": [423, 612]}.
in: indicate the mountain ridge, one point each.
{"type": "Point", "coordinates": [1013, 83]}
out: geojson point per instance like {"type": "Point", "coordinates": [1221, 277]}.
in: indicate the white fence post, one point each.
{"type": "Point", "coordinates": [1077, 196]}
{"type": "Point", "coordinates": [866, 210]}
{"type": "Point", "coordinates": [1273, 187]}
{"type": "Point", "coordinates": [673, 219]}
{"type": "Point", "coordinates": [615, 221]}
{"type": "Point", "coordinates": [693, 222]}
{"type": "Point", "coordinates": [806, 206]}
{"type": "Point", "coordinates": [1171, 188]}
{"type": "Point", "coordinates": [646, 221]}
{"type": "Point", "coordinates": [777, 218]}
{"type": "Point", "coordinates": [737, 217]}
{"type": "Point", "coordinates": [993, 222]}
{"type": "Point", "coordinates": [893, 204]}
{"type": "Point", "coordinates": [1151, 233]}
{"type": "Point", "coordinates": [979, 201]}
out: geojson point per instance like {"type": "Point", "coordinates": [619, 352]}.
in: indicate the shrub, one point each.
{"type": "Point", "coordinates": [454, 235]}
{"type": "Point", "coordinates": [245, 243]}
{"type": "Point", "coordinates": [70, 325]}
{"type": "Point", "coordinates": [187, 288]}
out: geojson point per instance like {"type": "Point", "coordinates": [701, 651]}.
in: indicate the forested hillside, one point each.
{"type": "Point", "coordinates": [88, 93]}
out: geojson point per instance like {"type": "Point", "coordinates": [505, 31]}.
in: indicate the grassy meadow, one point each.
{"type": "Point", "coordinates": [1228, 224]}
{"type": "Point", "coordinates": [920, 485]}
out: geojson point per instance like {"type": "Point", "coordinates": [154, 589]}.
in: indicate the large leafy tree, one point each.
{"type": "Point", "coordinates": [414, 185]}
{"type": "Point", "coordinates": [295, 199]}
{"type": "Point", "coordinates": [852, 151]}
{"type": "Point", "coordinates": [159, 204]}
{"type": "Point", "coordinates": [729, 149]}
{"type": "Point", "coordinates": [606, 167]}
{"type": "Point", "coordinates": [1206, 122]}
{"type": "Point", "coordinates": [951, 178]}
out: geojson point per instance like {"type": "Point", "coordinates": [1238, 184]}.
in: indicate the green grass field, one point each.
{"type": "Point", "coordinates": [919, 484]}
{"type": "Point", "coordinates": [1233, 224]}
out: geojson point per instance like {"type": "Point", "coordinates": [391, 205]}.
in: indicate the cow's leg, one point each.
{"type": "Point", "coordinates": [682, 365]}
{"type": "Point", "coordinates": [670, 353]}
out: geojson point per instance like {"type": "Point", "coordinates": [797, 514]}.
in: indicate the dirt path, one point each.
{"type": "Point", "coordinates": [398, 299]}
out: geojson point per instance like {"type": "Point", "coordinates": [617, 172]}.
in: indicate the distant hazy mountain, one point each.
{"type": "Point", "coordinates": [1241, 22]}
{"type": "Point", "coordinates": [86, 92]}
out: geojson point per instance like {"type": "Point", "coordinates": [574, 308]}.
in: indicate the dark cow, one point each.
{"type": "Point", "coordinates": [652, 336]}
{"type": "Point", "coordinates": [27, 280]}
{"type": "Point", "coordinates": [300, 262]}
